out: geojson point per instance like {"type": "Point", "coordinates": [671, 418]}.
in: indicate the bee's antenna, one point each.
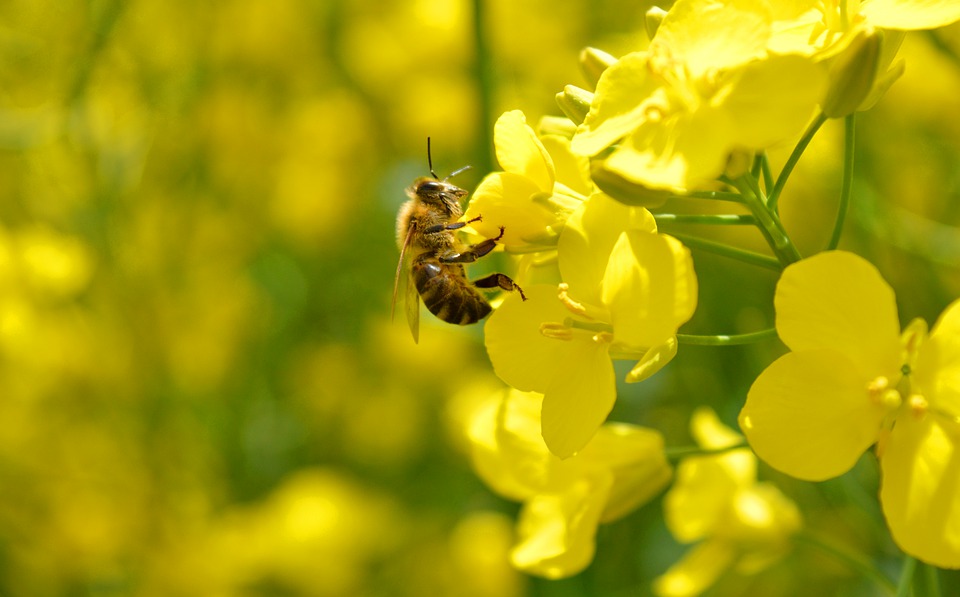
{"type": "Point", "coordinates": [430, 160]}
{"type": "Point", "coordinates": [457, 171]}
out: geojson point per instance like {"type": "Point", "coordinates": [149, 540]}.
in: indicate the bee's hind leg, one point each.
{"type": "Point", "coordinates": [498, 280]}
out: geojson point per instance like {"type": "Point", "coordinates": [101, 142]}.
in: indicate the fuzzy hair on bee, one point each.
{"type": "Point", "coordinates": [433, 255]}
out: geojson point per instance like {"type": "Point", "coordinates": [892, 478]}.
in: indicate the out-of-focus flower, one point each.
{"type": "Point", "coordinates": [541, 185]}
{"type": "Point", "coordinates": [626, 290]}
{"type": "Point", "coordinates": [852, 381]}
{"type": "Point", "coordinates": [619, 470]}
{"type": "Point", "coordinates": [705, 88]}
{"type": "Point", "coordinates": [740, 523]}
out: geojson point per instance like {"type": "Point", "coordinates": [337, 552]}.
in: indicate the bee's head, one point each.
{"type": "Point", "coordinates": [439, 193]}
{"type": "Point", "coordinates": [436, 192]}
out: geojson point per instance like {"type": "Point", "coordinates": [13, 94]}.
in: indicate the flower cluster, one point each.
{"type": "Point", "coordinates": [691, 116]}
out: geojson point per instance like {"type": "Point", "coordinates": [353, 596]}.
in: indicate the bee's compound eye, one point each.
{"type": "Point", "coordinates": [430, 186]}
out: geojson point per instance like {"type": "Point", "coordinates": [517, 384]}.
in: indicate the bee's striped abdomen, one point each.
{"type": "Point", "coordinates": [446, 292]}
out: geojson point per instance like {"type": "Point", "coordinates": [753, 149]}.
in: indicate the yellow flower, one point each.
{"type": "Point", "coordinates": [705, 88]}
{"type": "Point", "coordinates": [845, 34]}
{"type": "Point", "coordinates": [717, 500]}
{"type": "Point", "coordinates": [852, 381]}
{"type": "Point", "coordinates": [626, 290]}
{"type": "Point", "coordinates": [542, 184]}
{"type": "Point", "coordinates": [622, 468]}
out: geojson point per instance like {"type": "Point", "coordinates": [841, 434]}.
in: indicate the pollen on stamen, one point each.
{"type": "Point", "coordinates": [603, 338]}
{"type": "Point", "coordinates": [569, 303]}
{"type": "Point", "coordinates": [557, 331]}
{"type": "Point", "coordinates": [882, 394]}
{"type": "Point", "coordinates": [918, 405]}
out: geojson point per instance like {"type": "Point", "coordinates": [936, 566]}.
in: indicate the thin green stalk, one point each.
{"type": "Point", "coordinates": [726, 340]}
{"type": "Point", "coordinates": [485, 86]}
{"type": "Point", "coordinates": [713, 219]}
{"type": "Point", "coordinates": [713, 195]}
{"type": "Point", "coordinates": [788, 167]}
{"type": "Point", "coordinates": [853, 560]}
{"type": "Point", "coordinates": [767, 221]}
{"type": "Point", "coordinates": [676, 454]}
{"type": "Point", "coordinates": [723, 250]}
{"type": "Point", "coordinates": [906, 576]}
{"type": "Point", "coordinates": [849, 138]}
{"type": "Point", "coordinates": [931, 581]}
{"type": "Point", "coordinates": [767, 174]}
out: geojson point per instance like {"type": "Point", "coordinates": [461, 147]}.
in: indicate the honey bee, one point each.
{"type": "Point", "coordinates": [425, 228]}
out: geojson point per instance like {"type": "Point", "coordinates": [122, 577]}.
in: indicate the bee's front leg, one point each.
{"type": "Point", "coordinates": [473, 252]}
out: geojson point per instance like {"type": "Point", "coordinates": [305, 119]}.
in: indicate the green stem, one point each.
{"type": "Point", "coordinates": [854, 560]}
{"type": "Point", "coordinates": [485, 85]}
{"type": "Point", "coordinates": [713, 219]}
{"type": "Point", "coordinates": [679, 453]}
{"type": "Point", "coordinates": [906, 576]}
{"type": "Point", "coordinates": [767, 174]}
{"type": "Point", "coordinates": [767, 221]}
{"type": "Point", "coordinates": [723, 250]}
{"type": "Point", "coordinates": [792, 161]}
{"type": "Point", "coordinates": [931, 581]}
{"type": "Point", "coordinates": [849, 137]}
{"type": "Point", "coordinates": [727, 340]}
{"type": "Point", "coordinates": [713, 195]}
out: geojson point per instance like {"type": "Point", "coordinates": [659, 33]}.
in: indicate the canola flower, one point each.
{"type": "Point", "coordinates": [852, 381]}
{"type": "Point", "coordinates": [626, 289]}
{"type": "Point", "coordinates": [706, 87]}
{"type": "Point", "coordinates": [620, 469]}
{"type": "Point", "coordinates": [543, 182]}
{"type": "Point", "coordinates": [739, 523]}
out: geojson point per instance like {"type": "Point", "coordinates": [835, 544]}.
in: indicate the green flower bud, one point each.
{"type": "Point", "coordinates": [853, 73]}
{"type": "Point", "coordinates": [575, 102]}
{"type": "Point", "coordinates": [652, 20]}
{"type": "Point", "coordinates": [623, 190]}
{"type": "Point", "coordinates": [593, 62]}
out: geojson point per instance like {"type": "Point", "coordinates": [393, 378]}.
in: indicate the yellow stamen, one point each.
{"type": "Point", "coordinates": [918, 405]}
{"type": "Point", "coordinates": [557, 331]}
{"type": "Point", "coordinates": [569, 303]}
{"type": "Point", "coordinates": [603, 338]}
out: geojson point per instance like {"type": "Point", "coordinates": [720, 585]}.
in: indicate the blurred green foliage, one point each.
{"type": "Point", "coordinates": [201, 392]}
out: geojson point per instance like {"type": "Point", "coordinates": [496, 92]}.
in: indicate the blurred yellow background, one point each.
{"type": "Point", "coordinates": [201, 391]}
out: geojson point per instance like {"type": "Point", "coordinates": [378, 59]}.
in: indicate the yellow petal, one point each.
{"type": "Point", "coordinates": [587, 239]}
{"type": "Point", "coordinates": [838, 300]}
{"type": "Point", "coordinates": [513, 201]}
{"type": "Point", "coordinates": [653, 360]}
{"type": "Point", "coordinates": [937, 371]}
{"type": "Point", "coordinates": [771, 100]}
{"type": "Point", "coordinates": [493, 464]}
{"type": "Point", "coordinates": [649, 287]}
{"type": "Point", "coordinates": [809, 415]}
{"type": "Point", "coordinates": [921, 488]}
{"type": "Point", "coordinates": [580, 395]}
{"type": "Point", "coordinates": [636, 458]}
{"type": "Point", "coordinates": [700, 497]}
{"type": "Point", "coordinates": [557, 532]}
{"type": "Point", "coordinates": [573, 171]}
{"type": "Point", "coordinates": [522, 356]}
{"type": "Point", "coordinates": [618, 105]}
{"type": "Point", "coordinates": [519, 151]}
{"type": "Point", "coordinates": [709, 36]}
{"type": "Point", "coordinates": [911, 14]}
{"type": "Point", "coordinates": [697, 571]}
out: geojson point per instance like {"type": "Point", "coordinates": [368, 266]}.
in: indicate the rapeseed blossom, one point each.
{"type": "Point", "coordinates": [564, 501]}
{"type": "Point", "coordinates": [716, 500]}
{"type": "Point", "coordinates": [542, 183]}
{"type": "Point", "coordinates": [626, 289]}
{"type": "Point", "coordinates": [852, 381]}
{"type": "Point", "coordinates": [705, 88]}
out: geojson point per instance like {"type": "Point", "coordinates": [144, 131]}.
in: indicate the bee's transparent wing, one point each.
{"type": "Point", "coordinates": [412, 303]}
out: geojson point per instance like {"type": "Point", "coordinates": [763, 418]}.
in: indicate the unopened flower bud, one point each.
{"type": "Point", "coordinates": [575, 102]}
